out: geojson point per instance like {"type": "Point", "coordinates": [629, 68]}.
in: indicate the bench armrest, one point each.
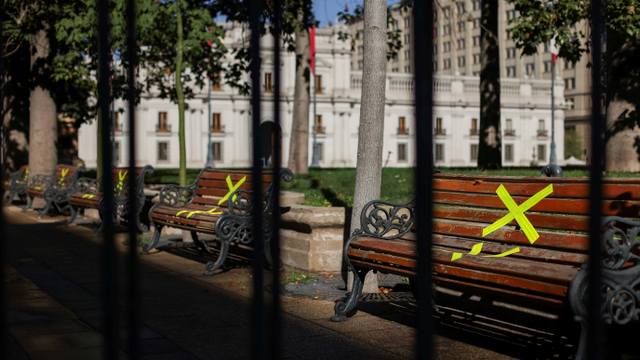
{"type": "Point", "coordinates": [89, 186]}
{"type": "Point", "coordinates": [178, 196]}
{"type": "Point", "coordinates": [386, 220]}
{"type": "Point", "coordinates": [620, 244]}
{"type": "Point", "coordinates": [41, 180]}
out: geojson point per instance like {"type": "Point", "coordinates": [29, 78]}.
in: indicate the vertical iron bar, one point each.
{"type": "Point", "coordinates": [423, 24]}
{"type": "Point", "coordinates": [133, 199]}
{"type": "Point", "coordinates": [276, 161]}
{"type": "Point", "coordinates": [3, 304]}
{"type": "Point", "coordinates": [594, 349]}
{"type": "Point", "coordinates": [258, 276]}
{"type": "Point", "coordinates": [108, 254]}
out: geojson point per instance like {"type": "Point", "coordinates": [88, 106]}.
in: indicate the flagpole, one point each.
{"type": "Point", "coordinates": [552, 156]}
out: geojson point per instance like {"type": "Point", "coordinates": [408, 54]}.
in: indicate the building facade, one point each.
{"type": "Point", "coordinates": [456, 50]}
{"type": "Point", "coordinates": [525, 116]}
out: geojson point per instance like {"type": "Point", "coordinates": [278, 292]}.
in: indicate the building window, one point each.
{"type": "Point", "coordinates": [402, 152]}
{"type": "Point", "coordinates": [570, 103]}
{"type": "Point", "coordinates": [546, 47]}
{"type": "Point", "coordinates": [476, 73]}
{"type": "Point", "coordinates": [447, 46]}
{"type": "Point", "coordinates": [163, 151]}
{"type": "Point", "coordinates": [407, 38]}
{"type": "Point", "coordinates": [360, 64]}
{"type": "Point", "coordinates": [511, 71]}
{"type": "Point", "coordinates": [447, 63]}
{"type": "Point", "coordinates": [530, 68]}
{"type": "Point", "coordinates": [446, 11]}
{"type": "Point", "coordinates": [216, 125]}
{"type": "Point", "coordinates": [395, 57]}
{"type": "Point", "coordinates": [435, 66]}
{"type": "Point", "coordinates": [407, 54]}
{"type": "Point", "coordinates": [117, 124]}
{"type": "Point", "coordinates": [461, 44]}
{"type": "Point", "coordinates": [569, 83]}
{"type": "Point", "coordinates": [461, 61]}
{"type": "Point", "coordinates": [319, 127]}
{"type": "Point", "coordinates": [435, 16]}
{"type": "Point", "coordinates": [569, 64]}
{"type": "Point", "coordinates": [439, 129]}
{"type": "Point", "coordinates": [163, 123]}
{"type": "Point", "coordinates": [361, 49]}
{"type": "Point", "coordinates": [435, 32]}
{"type": "Point", "coordinates": [402, 125]}
{"type": "Point", "coordinates": [435, 49]}
{"type": "Point", "coordinates": [474, 127]}
{"type": "Point", "coordinates": [508, 131]}
{"type": "Point", "coordinates": [395, 70]}
{"type": "Point", "coordinates": [318, 84]}
{"type": "Point", "coordinates": [508, 34]}
{"type": "Point", "coordinates": [476, 41]}
{"type": "Point", "coordinates": [117, 149]}
{"type": "Point", "coordinates": [320, 149]}
{"type": "Point", "coordinates": [511, 53]}
{"type": "Point", "coordinates": [476, 23]}
{"type": "Point", "coordinates": [217, 151]}
{"type": "Point", "coordinates": [439, 152]}
{"type": "Point", "coordinates": [216, 82]}
{"type": "Point", "coordinates": [461, 26]}
{"type": "Point", "coordinates": [547, 66]}
{"type": "Point", "coordinates": [542, 152]}
{"type": "Point", "coordinates": [407, 22]}
{"type": "Point", "coordinates": [476, 58]}
{"type": "Point", "coordinates": [268, 84]}
{"type": "Point", "coordinates": [407, 69]}
{"type": "Point", "coordinates": [474, 152]}
{"type": "Point", "coordinates": [462, 8]}
{"type": "Point", "coordinates": [477, 4]}
{"type": "Point", "coordinates": [508, 153]}
{"type": "Point", "coordinates": [446, 29]}
{"type": "Point", "coordinates": [511, 14]}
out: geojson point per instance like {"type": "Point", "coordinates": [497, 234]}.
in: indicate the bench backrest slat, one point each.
{"type": "Point", "coordinates": [212, 185]}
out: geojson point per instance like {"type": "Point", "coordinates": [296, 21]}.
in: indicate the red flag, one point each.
{"type": "Point", "coordinates": [312, 46]}
{"type": "Point", "coordinates": [554, 50]}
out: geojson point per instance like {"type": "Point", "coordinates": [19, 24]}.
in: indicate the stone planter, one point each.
{"type": "Point", "coordinates": [312, 238]}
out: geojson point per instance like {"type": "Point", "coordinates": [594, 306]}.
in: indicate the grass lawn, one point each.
{"type": "Point", "coordinates": [334, 187]}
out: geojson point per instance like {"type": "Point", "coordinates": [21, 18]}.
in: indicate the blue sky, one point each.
{"type": "Point", "coordinates": [326, 10]}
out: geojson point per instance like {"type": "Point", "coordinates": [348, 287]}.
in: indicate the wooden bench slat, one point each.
{"type": "Point", "coordinates": [535, 180]}
{"type": "Point", "coordinates": [560, 206]}
{"type": "Point", "coordinates": [538, 220]}
{"type": "Point", "coordinates": [192, 221]}
{"type": "Point", "coordinates": [218, 184]}
{"type": "Point", "coordinates": [527, 189]}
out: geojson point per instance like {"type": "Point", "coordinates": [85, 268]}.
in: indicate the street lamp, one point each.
{"type": "Point", "coordinates": [210, 150]}
{"type": "Point", "coordinates": [314, 161]}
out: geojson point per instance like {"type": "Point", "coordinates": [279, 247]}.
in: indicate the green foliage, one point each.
{"type": "Point", "coordinates": [394, 42]}
{"type": "Point", "coordinates": [540, 22]}
{"type": "Point", "coordinates": [572, 144]}
{"type": "Point", "coordinates": [298, 278]}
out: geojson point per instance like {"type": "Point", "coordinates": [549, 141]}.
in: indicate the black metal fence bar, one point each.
{"type": "Point", "coordinates": [109, 279]}
{"type": "Point", "coordinates": [133, 280]}
{"type": "Point", "coordinates": [423, 24]}
{"type": "Point", "coordinates": [4, 332]}
{"type": "Point", "coordinates": [258, 333]}
{"type": "Point", "coordinates": [276, 161]}
{"type": "Point", "coordinates": [594, 338]}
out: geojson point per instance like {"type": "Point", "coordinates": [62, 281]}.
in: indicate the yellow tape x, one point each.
{"type": "Point", "coordinates": [517, 212]}
{"type": "Point", "coordinates": [232, 188]}
{"type": "Point", "coordinates": [121, 176]}
{"type": "Point", "coordinates": [64, 173]}
{"type": "Point", "coordinates": [198, 212]}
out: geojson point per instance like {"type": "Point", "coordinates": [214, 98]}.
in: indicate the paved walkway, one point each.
{"type": "Point", "coordinates": [53, 280]}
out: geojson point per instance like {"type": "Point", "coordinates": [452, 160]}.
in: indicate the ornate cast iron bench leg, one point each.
{"type": "Point", "coordinates": [9, 199]}
{"type": "Point", "coordinates": [74, 214]}
{"type": "Point", "coordinates": [224, 250]}
{"type": "Point", "coordinates": [45, 210]}
{"type": "Point", "coordinates": [201, 244]}
{"type": "Point", "coordinates": [29, 203]}
{"type": "Point", "coordinates": [342, 308]}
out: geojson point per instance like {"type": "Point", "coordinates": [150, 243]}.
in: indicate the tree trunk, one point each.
{"type": "Point", "coordinates": [490, 147]}
{"type": "Point", "coordinates": [43, 131]}
{"type": "Point", "coordinates": [622, 139]}
{"type": "Point", "coordinates": [180, 93]}
{"type": "Point", "coordinates": [99, 143]}
{"type": "Point", "coordinates": [370, 135]}
{"type": "Point", "coordinates": [16, 110]}
{"type": "Point", "coordinates": [299, 143]}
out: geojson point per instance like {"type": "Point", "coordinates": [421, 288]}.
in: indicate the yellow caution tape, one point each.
{"type": "Point", "coordinates": [232, 188]}
{"type": "Point", "coordinates": [517, 212]}
{"type": "Point", "coordinates": [64, 173]}
{"type": "Point", "coordinates": [198, 212]}
{"type": "Point", "coordinates": [121, 176]}
{"type": "Point", "coordinates": [87, 196]}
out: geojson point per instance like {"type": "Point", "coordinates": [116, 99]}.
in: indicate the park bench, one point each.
{"type": "Point", "coordinates": [88, 195]}
{"type": "Point", "coordinates": [218, 202]}
{"type": "Point", "coordinates": [16, 184]}
{"type": "Point", "coordinates": [551, 272]}
{"type": "Point", "coordinates": [55, 188]}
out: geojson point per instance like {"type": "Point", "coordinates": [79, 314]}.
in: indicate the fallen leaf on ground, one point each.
{"type": "Point", "coordinates": [329, 293]}
{"type": "Point", "coordinates": [242, 288]}
{"type": "Point", "coordinates": [320, 291]}
{"type": "Point", "coordinates": [326, 282]}
{"type": "Point", "coordinates": [232, 284]}
{"type": "Point", "coordinates": [327, 274]}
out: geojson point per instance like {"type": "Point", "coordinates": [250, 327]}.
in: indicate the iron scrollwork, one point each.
{"type": "Point", "coordinates": [620, 280]}
{"type": "Point", "coordinates": [58, 189]}
{"type": "Point", "coordinates": [16, 185]}
{"type": "Point", "coordinates": [380, 218]}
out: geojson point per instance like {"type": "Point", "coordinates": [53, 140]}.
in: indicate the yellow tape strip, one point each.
{"type": "Point", "coordinates": [87, 196]}
{"type": "Point", "coordinates": [190, 213]}
{"type": "Point", "coordinates": [512, 251]}
{"type": "Point", "coordinates": [232, 188]}
{"type": "Point", "coordinates": [121, 176]}
{"type": "Point", "coordinates": [517, 212]}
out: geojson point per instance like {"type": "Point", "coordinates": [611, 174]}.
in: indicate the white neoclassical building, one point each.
{"type": "Point", "coordinates": [526, 116]}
